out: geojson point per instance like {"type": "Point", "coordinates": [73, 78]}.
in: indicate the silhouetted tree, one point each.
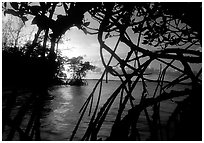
{"type": "Point", "coordinates": [159, 32]}
{"type": "Point", "coordinates": [78, 70]}
{"type": "Point", "coordinates": [43, 18]}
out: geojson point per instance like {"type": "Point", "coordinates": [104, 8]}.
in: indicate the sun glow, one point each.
{"type": "Point", "coordinates": [71, 50]}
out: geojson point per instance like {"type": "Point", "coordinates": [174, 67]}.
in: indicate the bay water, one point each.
{"type": "Point", "coordinates": [62, 111]}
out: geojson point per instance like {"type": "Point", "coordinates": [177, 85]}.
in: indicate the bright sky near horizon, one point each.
{"type": "Point", "coordinates": [77, 43]}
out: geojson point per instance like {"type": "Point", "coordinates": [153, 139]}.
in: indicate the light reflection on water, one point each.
{"type": "Point", "coordinates": [62, 118]}
{"type": "Point", "coordinates": [59, 123]}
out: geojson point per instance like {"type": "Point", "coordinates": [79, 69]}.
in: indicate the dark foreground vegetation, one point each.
{"type": "Point", "coordinates": [22, 70]}
{"type": "Point", "coordinates": [168, 33]}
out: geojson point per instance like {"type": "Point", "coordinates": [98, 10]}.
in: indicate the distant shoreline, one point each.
{"type": "Point", "coordinates": [23, 86]}
{"type": "Point", "coordinates": [183, 83]}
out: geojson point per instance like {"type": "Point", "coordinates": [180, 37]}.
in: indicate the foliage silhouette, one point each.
{"type": "Point", "coordinates": [78, 70]}
{"type": "Point", "coordinates": [162, 32]}
{"type": "Point", "coordinates": [33, 73]}
{"type": "Point", "coordinates": [73, 17]}
{"type": "Point", "coordinates": [156, 25]}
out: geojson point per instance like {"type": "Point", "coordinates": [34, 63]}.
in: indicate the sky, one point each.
{"type": "Point", "coordinates": [77, 43]}
{"type": "Point", "coordinates": [80, 44]}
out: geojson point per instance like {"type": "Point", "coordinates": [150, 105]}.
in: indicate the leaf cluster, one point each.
{"type": "Point", "coordinates": [78, 67]}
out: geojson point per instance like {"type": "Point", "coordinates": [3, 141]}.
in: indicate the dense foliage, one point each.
{"type": "Point", "coordinates": [78, 70]}
{"type": "Point", "coordinates": [21, 70]}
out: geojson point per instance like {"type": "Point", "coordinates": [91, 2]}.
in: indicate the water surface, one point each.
{"type": "Point", "coordinates": [62, 112]}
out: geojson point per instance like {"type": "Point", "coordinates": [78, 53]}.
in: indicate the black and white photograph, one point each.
{"type": "Point", "coordinates": [101, 71]}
